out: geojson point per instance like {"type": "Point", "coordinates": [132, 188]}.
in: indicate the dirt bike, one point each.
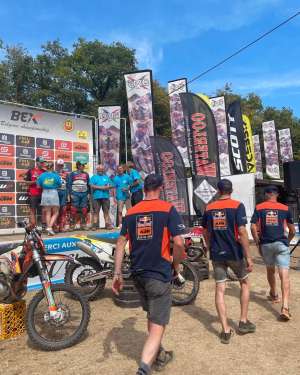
{"type": "Point", "coordinates": [58, 315]}
{"type": "Point", "coordinates": [91, 275]}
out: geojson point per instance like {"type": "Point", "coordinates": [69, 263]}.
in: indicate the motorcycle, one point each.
{"type": "Point", "coordinates": [58, 315]}
{"type": "Point", "coordinates": [91, 272]}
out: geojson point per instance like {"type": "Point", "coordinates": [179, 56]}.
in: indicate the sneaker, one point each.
{"type": "Point", "coordinates": [226, 336]}
{"type": "Point", "coordinates": [163, 358]}
{"type": "Point", "coordinates": [94, 227]}
{"type": "Point", "coordinates": [246, 327]}
{"type": "Point", "coordinates": [50, 232]}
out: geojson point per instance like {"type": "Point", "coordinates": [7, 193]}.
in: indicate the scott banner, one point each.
{"type": "Point", "coordinates": [140, 110]}
{"type": "Point", "coordinates": [202, 148]}
{"type": "Point", "coordinates": [169, 164]}
{"type": "Point", "coordinates": [176, 116]}
{"type": "Point", "coordinates": [26, 133]}
{"type": "Point", "coordinates": [285, 142]}
{"type": "Point", "coordinates": [219, 111]}
{"type": "Point", "coordinates": [236, 138]}
{"type": "Point", "coordinates": [257, 151]}
{"type": "Point", "coordinates": [271, 150]}
{"type": "Point", "coordinates": [109, 137]}
{"type": "Point", "coordinates": [250, 155]}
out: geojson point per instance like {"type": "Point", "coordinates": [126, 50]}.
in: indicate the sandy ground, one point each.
{"type": "Point", "coordinates": [115, 338]}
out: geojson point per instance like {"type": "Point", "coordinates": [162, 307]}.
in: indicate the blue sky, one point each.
{"type": "Point", "coordinates": [177, 38]}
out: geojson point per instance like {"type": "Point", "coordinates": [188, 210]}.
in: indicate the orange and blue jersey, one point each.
{"type": "Point", "coordinates": [148, 226]}
{"type": "Point", "coordinates": [271, 219]}
{"type": "Point", "coordinates": [222, 219]}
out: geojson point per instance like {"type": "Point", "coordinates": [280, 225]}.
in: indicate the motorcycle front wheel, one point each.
{"type": "Point", "coordinates": [49, 333]}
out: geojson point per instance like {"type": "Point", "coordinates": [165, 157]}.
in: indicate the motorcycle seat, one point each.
{"type": "Point", "coordinates": [9, 246]}
{"type": "Point", "coordinates": [111, 241]}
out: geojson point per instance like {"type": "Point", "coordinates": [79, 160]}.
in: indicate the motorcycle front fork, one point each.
{"type": "Point", "coordinates": [46, 283]}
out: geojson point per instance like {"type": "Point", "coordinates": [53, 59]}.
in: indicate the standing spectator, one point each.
{"type": "Point", "coordinates": [78, 186]}
{"type": "Point", "coordinates": [122, 182]}
{"type": "Point", "coordinates": [137, 184]}
{"type": "Point", "coordinates": [148, 227]}
{"type": "Point", "coordinates": [50, 181]}
{"type": "Point", "coordinates": [268, 229]}
{"type": "Point", "coordinates": [100, 185]}
{"type": "Point", "coordinates": [34, 191]}
{"type": "Point", "coordinates": [225, 233]}
{"type": "Point", "coordinates": [62, 194]}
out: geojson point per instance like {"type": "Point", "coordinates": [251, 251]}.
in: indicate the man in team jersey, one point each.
{"type": "Point", "coordinates": [148, 227]}
{"type": "Point", "coordinates": [269, 221]}
{"type": "Point", "coordinates": [225, 233]}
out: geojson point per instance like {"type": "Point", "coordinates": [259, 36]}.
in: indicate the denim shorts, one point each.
{"type": "Point", "coordinates": [79, 200]}
{"type": "Point", "coordinates": [50, 198]}
{"type": "Point", "coordinates": [276, 254]}
{"type": "Point", "coordinates": [62, 194]}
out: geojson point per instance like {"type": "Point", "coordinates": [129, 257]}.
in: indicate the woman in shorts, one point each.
{"type": "Point", "coordinates": [50, 181]}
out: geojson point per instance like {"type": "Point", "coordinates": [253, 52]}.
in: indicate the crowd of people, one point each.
{"type": "Point", "coordinates": [149, 227]}
{"type": "Point", "coordinates": [63, 196]}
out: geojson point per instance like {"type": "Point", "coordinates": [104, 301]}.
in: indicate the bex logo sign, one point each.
{"type": "Point", "coordinates": [25, 117]}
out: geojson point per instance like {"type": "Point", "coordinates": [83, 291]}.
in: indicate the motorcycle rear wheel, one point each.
{"type": "Point", "coordinates": [92, 289]}
{"type": "Point", "coordinates": [187, 292]}
{"type": "Point", "coordinates": [47, 334]}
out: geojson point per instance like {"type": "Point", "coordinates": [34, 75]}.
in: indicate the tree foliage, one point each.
{"type": "Point", "coordinates": [90, 74]}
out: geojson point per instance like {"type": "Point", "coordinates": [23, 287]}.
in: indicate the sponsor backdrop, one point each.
{"type": "Point", "coordinates": [219, 111]}
{"type": "Point", "coordinates": [26, 133]}
{"type": "Point", "coordinates": [285, 143]}
{"type": "Point", "coordinates": [202, 148]}
{"type": "Point", "coordinates": [169, 163]}
{"type": "Point", "coordinates": [109, 145]}
{"type": "Point", "coordinates": [271, 150]}
{"type": "Point", "coordinates": [236, 138]}
{"type": "Point", "coordinates": [140, 110]}
{"type": "Point", "coordinates": [258, 161]}
{"type": "Point", "coordinates": [176, 116]}
{"type": "Point", "coordinates": [109, 137]}
{"type": "Point", "coordinates": [250, 155]}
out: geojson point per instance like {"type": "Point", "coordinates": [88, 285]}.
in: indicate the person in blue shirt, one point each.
{"type": "Point", "coordinates": [136, 188]}
{"type": "Point", "coordinates": [50, 181]}
{"type": "Point", "coordinates": [122, 182]}
{"type": "Point", "coordinates": [101, 184]}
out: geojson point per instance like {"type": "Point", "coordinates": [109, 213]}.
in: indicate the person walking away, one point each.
{"type": "Point", "coordinates": [100, 185]}
{"type": "Point", "coordinates": [50, 181]}
{"type": "Point", "coordinates": [34, 191]}
{"type": "Point", "coordinates": [62, 194]}
{"type": "Point", "coordinates": [122, 182]}
{"type": "Point", "coordinates": [226, 237]}
{"type": "Point", "coordinates": [136, 188]}
{"type": "Point", "coordinates": [148, 227]}
{"type": "Point", "coordinates": [78, 187]}
{"type": "Point", "coordinates": [268, 226]}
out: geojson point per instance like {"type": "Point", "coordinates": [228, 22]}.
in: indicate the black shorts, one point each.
{"type": "Point", "coordinates": [34, 201]}
{"type": "Point", "coordinates": [103, 203]}
{"type": "Point", "coordinates": [156, 299]}
{"type": "Point", "coordinates": [237, 266]}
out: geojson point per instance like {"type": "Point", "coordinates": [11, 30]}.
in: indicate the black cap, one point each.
{"type": "Point", "coordinates": [153, 182]}
{"type": "Point", "coordinates": [271, 189]}
{"type": "Point", "coordinates": [225, 186]}
{"type": "Point", "coordinates": [40, 159]}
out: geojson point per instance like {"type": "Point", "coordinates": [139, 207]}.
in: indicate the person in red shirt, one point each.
{"type": "Point", "coordinates": [34, 191]}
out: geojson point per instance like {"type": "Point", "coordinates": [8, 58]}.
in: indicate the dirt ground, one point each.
{"type": "Point", "coordinates": [115, 338]}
